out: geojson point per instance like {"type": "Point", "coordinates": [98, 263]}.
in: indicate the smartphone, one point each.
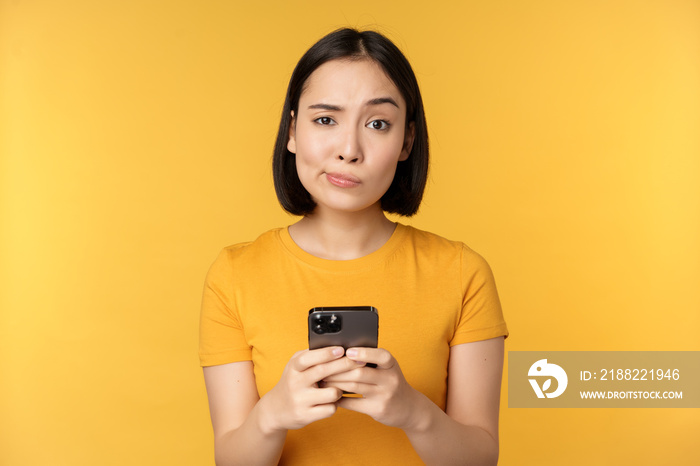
{"type": "Point", "coordinates": [346, 326]}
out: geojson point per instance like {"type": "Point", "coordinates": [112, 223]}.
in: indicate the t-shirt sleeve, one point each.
{"type": "Point", "coordinates": [481, 317]}
{"type": "Point", "coordinates": [221, 336]}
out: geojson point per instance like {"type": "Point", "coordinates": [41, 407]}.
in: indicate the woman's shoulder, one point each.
{"type": "Point", "coordinates": [435, 245]}
{"type": "Point", "coordinates": [265, 239]}
{"type": "Point", "coordinates": [263, 244]}
{"type": "Point", "coordinates": [424, 238]}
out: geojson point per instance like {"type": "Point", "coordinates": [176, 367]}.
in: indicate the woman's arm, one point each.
{"type": "Point", "coordinates": [240, 436]}
{"type": "Point", "coordinates": [467, 434]}
{"type": "Point", "coordinates": [252, 430]}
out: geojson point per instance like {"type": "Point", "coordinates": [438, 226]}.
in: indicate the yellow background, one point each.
{"type": "Point", "coordinates": [136, 138]}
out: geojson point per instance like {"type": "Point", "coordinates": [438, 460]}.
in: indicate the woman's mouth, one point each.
{"type": "Point", "coordinates": [342, 180]}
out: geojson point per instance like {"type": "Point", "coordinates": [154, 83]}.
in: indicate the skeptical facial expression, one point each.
{"type": "Point", "coordinates": [349, 134]}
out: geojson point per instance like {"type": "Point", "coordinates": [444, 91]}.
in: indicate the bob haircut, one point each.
{"type": "Point", "coordinates": [406, 190]}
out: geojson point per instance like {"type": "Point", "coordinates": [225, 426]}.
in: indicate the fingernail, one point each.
{"type": "Point", "coordinates": [338, 351]}
{"type": "Point", "coordinates": [351, 353]}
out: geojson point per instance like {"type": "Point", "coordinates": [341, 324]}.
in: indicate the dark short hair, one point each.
{"type": "Point", "coordinates": [406, 191]}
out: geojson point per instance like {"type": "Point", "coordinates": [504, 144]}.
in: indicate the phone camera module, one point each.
{"type": "Point", "coordinates": [326, 324]}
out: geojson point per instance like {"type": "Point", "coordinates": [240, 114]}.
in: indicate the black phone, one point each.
{"type": "Point", "coordinates": [346, 326]}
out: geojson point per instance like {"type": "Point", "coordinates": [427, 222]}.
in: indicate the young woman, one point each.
{"type": "Point", "coordinates": [352, 145]}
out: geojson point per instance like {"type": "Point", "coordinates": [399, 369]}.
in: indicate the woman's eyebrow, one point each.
{"type": "Point", "coordinates": [326, 107]}
{"type": "Point", "coordinates": [337, 108]}
{"type": "Point", "coordinates": [383, 100]}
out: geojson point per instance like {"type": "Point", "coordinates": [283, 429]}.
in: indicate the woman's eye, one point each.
{"type": "Point", "coordinates": [379, 125]}
{"type": "Point", "coordinates": [324, 120]}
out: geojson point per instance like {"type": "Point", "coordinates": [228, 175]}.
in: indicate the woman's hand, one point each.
{"type": "Point", "coordinates": [386, 396]}
{"type": "Point", "coordinates": [297, 400]}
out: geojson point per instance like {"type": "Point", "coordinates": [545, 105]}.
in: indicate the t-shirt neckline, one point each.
{"type": "Point", "coordinates": [370, 260]}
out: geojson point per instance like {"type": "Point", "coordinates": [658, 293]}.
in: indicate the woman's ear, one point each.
{"type": "Point", "coordinates": [292, 142]}
{"type": "Point", "coordinates": [408, 138]}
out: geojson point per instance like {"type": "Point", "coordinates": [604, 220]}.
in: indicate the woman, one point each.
{"type": "Point", "coordinates": [352, 145]}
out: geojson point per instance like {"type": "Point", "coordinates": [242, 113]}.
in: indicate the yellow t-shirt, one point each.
{"type": "Point", "coordinates": [430, 294]}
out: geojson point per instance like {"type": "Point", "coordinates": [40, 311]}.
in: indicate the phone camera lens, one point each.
{"type": "Point", "coordinates": [323, 324]}
{"type": "Point", "coordinates": [334, 324]}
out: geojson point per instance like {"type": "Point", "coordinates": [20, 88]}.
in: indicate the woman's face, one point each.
{"type": "Point", "coordinates": [349, 134]}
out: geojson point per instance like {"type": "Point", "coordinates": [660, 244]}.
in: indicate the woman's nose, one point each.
{"type": "Point", "coordinates": [350, 149]}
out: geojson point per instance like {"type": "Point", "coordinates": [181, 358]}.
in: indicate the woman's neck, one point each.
{"type": "Point", "coordinates": [342, 235]}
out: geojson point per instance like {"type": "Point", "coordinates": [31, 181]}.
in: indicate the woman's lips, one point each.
{"type": "Point", "coordinates": [342, 180]}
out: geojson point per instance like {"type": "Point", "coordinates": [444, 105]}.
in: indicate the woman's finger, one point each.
{"type": "Point", "coordinates": [358, 374]}
{"type": "Point", "coordinates": [357, 388]}
{"type": "Point", "coordinates": [303, 360]}
{"type": "Point", "coordinates": [321, 371]}
{"type": "Point", "coordinates": [328, 394]}
{"type": "Point", "coordinates": [379, 356]}
{"type": "Point", "coordinates": [360, 405]}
